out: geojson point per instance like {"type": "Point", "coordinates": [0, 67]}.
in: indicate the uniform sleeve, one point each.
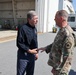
{"type": "Point", "coordinates": [48, 48]}
{"type": "Point", "coordinates": [22, 42]}
{"type": "Point", "coordinates": [67, 52]}
{"type": "Point", "coordinates": [74, 38]}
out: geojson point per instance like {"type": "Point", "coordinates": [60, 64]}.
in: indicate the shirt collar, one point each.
{"type": "Point", "coordinates": [29, 25]}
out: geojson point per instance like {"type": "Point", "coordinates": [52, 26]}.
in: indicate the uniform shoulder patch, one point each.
{"type": "Point", "coordinates": [68, 45]}
{"type": "Point", "coordinates": [69, 42]}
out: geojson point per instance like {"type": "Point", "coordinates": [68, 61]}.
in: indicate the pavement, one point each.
{"type": "Point", "coordinates": [8, 54]}
{"type": "Point", "coordinates": [7, 35]}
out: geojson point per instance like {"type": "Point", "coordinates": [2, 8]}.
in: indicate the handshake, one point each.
{"type": "Point", "coordinates": [35, 51]}
{"type": "Point", "coordinates": [42, 49]}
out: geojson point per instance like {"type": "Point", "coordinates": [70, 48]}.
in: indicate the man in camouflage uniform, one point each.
{"type": "Point", "coordinates": [61, 50]}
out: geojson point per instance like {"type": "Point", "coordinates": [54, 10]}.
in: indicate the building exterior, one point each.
{"type": "Point", "coordinates": [46, 11]}
{"type": "Point", "coordinates": [13, 12]}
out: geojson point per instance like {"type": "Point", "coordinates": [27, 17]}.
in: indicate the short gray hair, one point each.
{"type": "Point", "coordinates": [30, 14]}
{"type": "Point", "coordinates": [63, 13]}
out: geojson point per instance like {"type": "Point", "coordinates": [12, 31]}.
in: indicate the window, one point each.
{"type": "Point", "coordinates": [71, 19]}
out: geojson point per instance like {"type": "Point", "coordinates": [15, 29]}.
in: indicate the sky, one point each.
{"type": "Point", "coordinates": [74, 4]}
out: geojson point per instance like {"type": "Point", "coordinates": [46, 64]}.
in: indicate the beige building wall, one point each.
{"type": "Point", "coordinates": [13, 12]}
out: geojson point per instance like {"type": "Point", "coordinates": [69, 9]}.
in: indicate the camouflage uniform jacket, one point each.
{"type": "Point", "coordinates": [61, 50]}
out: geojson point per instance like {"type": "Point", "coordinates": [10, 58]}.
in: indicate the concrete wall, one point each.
{"type": "Point", "coordinates": [13, 12]}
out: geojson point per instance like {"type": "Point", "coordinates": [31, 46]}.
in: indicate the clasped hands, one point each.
{"type": "Point", "coordinates": [36, 50]}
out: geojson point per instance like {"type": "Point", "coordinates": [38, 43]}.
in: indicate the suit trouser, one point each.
{"type": "Point", "coordinates": [24, 64]}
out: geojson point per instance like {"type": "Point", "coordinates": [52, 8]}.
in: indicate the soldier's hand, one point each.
{"type": "Point", "coordinates": [33, 51]}
{"type": "Point", "coordinates": [42, 49]}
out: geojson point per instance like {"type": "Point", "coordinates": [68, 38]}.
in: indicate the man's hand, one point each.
{"type": "Point", "coordinates": [33, 51]}
{"type": "Point", "coordinates": [36, 56]}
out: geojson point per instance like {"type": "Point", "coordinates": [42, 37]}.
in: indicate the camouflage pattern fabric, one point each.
{"type": "Point", "coordinates": [61, 51]}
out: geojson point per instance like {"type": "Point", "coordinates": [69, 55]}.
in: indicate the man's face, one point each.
{"type": "Point", "coordinates": [57, 20]}
{"type": "Point", "coordinates": [34, 20]}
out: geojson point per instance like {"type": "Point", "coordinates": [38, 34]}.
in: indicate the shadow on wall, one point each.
{"type": "Point", "coordinates": [72, 72]}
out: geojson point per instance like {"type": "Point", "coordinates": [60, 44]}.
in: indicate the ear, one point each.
{"type": "Point", "coordinates": [28, 19]}
{"type": "Point", "coordinates": [62, 18]}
